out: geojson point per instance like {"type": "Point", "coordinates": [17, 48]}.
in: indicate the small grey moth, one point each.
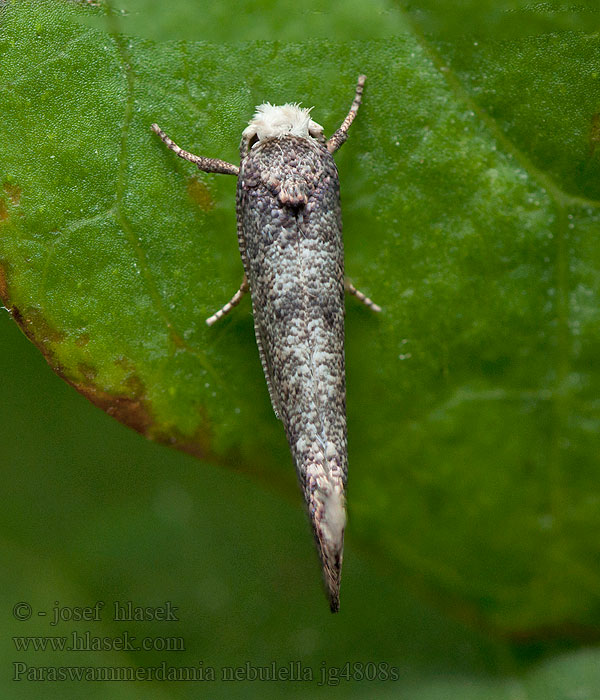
{"type": "Point", "coordinates": [289, 227]}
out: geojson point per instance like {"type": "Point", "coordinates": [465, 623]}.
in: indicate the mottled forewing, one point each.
{"type": "Point", "coordinates": [289, 227]}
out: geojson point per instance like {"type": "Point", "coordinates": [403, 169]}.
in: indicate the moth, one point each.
{"type": "Point", "coordinates": [289, 228]}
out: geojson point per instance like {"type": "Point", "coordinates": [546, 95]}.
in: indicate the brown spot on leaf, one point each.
{"type": "Point", "coordinates": [132, 382]}
{"type": "Point", "coordinates": [200, 194]}
{"type": "Point", "coordinates": [125, 362]}
{"type": "Point", "coordinates": [3, 210]}
{"type": "Point", "coordinates": [131, 412]}
{"type": "Point", "coordinates": [13, 191]}
{"type": "Point", "coordinates": [87, 371]}
{"type": "Point", "coordinates": [82, 340]}
{"type": "Point", "coordinates": [18, 317]}
{"type": "Point", "coordinates": [42, 331]}
{"type": "Point", "coordinates": [594, 133]}
{"type": "Point", "coordinates": [27, 325]}
{"type": "Point", "coordinates": [135, 385]}
{"type": "Point", "coordinates": [22, 322]}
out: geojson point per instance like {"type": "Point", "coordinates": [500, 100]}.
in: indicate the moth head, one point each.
{"type": "Point", "coordinates": [274, 121]}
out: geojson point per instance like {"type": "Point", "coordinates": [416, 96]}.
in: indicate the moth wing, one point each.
{"type": "Point", "coordinates": [259, 330]}
{"type": "Point", "coordinates": [253, 226]}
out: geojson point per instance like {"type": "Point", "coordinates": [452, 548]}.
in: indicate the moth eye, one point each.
{"type": "Point", "coordinates": [252, 141]}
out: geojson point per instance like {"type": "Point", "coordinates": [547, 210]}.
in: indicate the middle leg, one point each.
{"type": "Point", "coordinates": [234, 301]}
{"type": "Point", "coordinates": [351, 289]}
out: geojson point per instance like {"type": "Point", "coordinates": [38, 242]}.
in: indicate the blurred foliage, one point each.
{"type": "Point", "coordinates": [470, 197]}
{"type": "Point", "coordinates": [252, 20]}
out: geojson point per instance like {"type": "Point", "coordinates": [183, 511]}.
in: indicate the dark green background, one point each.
{"type": "Point", "coordinates": [471, 192]}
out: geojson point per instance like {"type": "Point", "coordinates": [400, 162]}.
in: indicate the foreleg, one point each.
{"type": "Point", "coordinates": [208, 165]}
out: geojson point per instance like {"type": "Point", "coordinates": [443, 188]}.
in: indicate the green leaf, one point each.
{"type": "Point", "coordinates": [470, 198]}
{"type": "Point", "coordinates": [251, 20]}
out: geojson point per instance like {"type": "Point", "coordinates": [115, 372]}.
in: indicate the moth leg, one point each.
{"type": "Point", "coordinates": [235, 300]}
{"type": "Point", "coordinates": [342, 133]}
{"type": "Point", "coordinates": [351, 289]}
{"type": "Point", "coordinates": [208, 165]}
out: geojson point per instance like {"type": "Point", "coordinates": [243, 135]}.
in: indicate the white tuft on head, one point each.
{"type": "Point", "coordinates": [273, 121]}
